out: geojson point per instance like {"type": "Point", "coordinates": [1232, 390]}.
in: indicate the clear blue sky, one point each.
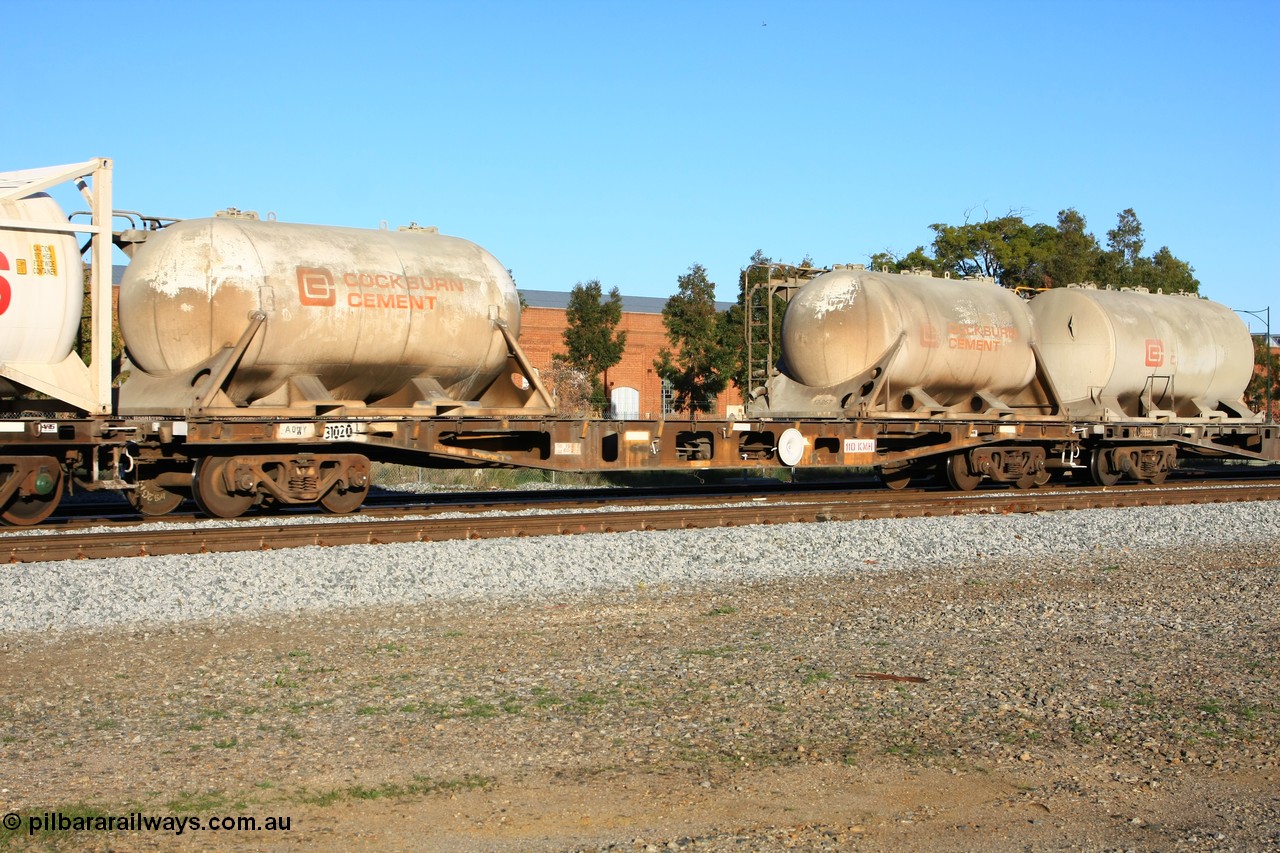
{"type": "Point", "coordinates": [626, 141]}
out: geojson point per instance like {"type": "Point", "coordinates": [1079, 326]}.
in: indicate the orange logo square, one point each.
{"type": "Point", "coordinates": [1155, 352]}
{"type": "Point", "coordinates": [928, 335]}
{"type": "Point", "coordinates": [315, 287]}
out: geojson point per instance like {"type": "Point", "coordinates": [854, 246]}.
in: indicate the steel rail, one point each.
{"type": "Point", "coordinates": [386, 503]}
{"type": "Point", "coordinates": [865, 505]}
{"type": "Point", "coordinates": [119, 514]}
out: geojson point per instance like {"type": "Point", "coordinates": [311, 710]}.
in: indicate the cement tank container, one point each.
{"type": "Point", "coordinates": [958, 338]}
{"type": "Point", "coordinates": [1135, 352]}
{"type": "Point", "coordinates": [41, 285]}
{"type": "Point", "coordinates": [365, 311]}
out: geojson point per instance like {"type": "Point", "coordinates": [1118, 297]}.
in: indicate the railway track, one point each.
{"type": "Point", "coordinates": [114, 511]}
{"type": "Point", "coordinates": [117, 512]}
{"type": "Point", "coordinates": [568, 518]}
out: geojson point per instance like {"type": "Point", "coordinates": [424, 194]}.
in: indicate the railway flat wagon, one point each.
{"type": "Point", "coordinates": [271, 363]}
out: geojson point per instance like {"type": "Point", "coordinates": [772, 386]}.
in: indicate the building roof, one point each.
{"type": "Point", "coordinates": [558, 299]}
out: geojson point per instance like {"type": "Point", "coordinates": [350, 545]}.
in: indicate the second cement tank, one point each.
{"type": "Point", "coordinates": [1131, 353]}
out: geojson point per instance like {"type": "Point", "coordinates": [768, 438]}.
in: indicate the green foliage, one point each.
{"type": "Point", "coordinates": [1039, 256]}
{"type": "Point", "coordinates": [591, 336]}
{"type": "Point", "coordinates": [731, 333]}
{"type": "Point", "coordinates": [1006, 249]}
{"type": "Point", "coordinates": [1256, 394]}
{"type": "Point", "coordinates": [1075, 257]}
{"type": "Point", "coordinates": [731, 324]}
{"type": "Point", "coordinates": [1162, 271]}
{"type": "Point", "coordinates": [1123, 265]}
{"type": "Point", "coordinates": [85, 335]}
{"type": "Point", "coordinates": [915, 260]}
{"type": "Point", "coordinates": [1126, 239]}
{"type": "Point", "coordinates": [700, 365]}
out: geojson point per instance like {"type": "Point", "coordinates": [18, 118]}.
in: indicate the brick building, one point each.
{"type": "Point", "coordinates": [542, 326]}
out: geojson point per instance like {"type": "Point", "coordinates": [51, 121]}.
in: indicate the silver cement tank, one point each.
{"type": "Point", "coordinates": [365, 311]}
{"type": "Point", "coordinates": [1136, 353]}
{"type": "Point", "coordinates": [954, 338]}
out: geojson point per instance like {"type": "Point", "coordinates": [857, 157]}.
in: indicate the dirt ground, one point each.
{"type": "Point", "coordinates": [1094, 705]}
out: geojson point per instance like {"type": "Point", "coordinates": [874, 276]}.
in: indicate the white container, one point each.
{"type": "Point", "coordinates": [41, 285]}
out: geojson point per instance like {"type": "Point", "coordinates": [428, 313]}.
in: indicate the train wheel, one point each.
{"type": "Point", "coordinates": [1100, 468]}
{"type": "Point", "coordinates": [958, 474]}
{"type": "Point", "coordinates": [25, 510]}
{"type": "Point", "coordinates": [1033, 480]}
{"type": "Point", "coordinates": [341, 501]}
{"type": "Point", "coordinates": [211, 493]}
{"type": "Point", "coordinates": [895, 478]}
{"type": "Point", "coordinates": [150, 499]}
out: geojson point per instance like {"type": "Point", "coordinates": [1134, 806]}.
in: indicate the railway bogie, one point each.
{"type": "Point", "coordinates": [228, 486]}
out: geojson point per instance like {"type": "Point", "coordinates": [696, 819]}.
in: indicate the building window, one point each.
{"type": "Point", "coordinates": [625, 403]}
{"type": "Point", "coordinates": [668, 399]}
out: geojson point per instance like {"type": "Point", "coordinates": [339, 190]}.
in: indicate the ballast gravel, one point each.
{"type": "Point", "coordinates": [1091, 680]}
{"type": "Point", "coordinates": [58, 596]}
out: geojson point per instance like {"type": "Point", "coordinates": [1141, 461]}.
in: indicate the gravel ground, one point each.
{"type": "Point", "coordinates": [1104, 679]}
{"type": "Point", "coordinates": [102, 593]}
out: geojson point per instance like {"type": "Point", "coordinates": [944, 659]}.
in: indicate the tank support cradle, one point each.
{"type": "Point", "coordinates": [195, 390]}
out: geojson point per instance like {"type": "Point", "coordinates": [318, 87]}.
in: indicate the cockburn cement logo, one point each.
{"type": "Point", "coordinates": [967, 336]}
{"type": "Point", "coordinates": [321, 288]}
{"type": "Point", "coordinates": [315, 288]}
{"type": "Point", "coordinates": [1155, 352]}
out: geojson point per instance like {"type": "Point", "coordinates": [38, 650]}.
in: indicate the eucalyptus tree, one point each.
{"type": "Point", "coordinates": [592, 336]}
